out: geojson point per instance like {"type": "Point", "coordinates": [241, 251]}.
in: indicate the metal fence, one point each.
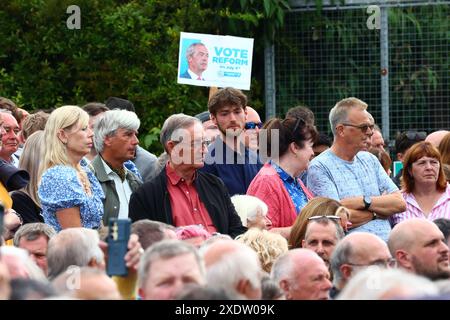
{"type": "Point", "coordinates": [320, 60]}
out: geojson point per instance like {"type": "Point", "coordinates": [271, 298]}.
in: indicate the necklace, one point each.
{"type": "Point", "coordinates": [82, 176]}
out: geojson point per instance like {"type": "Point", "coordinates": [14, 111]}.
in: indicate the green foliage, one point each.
{"type": "Point", "coordinates": [326, 56]}
{"type": "Point", "coordinates": [125, 48]}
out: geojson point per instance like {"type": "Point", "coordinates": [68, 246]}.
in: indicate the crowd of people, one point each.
{"type": "Point", "coordinates": [233, 208]}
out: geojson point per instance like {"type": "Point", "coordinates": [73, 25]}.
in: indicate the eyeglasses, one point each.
{"type": "Point", "coordinates": [324, 217]}
{"type": "Point", "coordinates": [416, 135]}
{"type": "Point", "coordinates": [389, 263]}
{"type": "Point", "coordinates": [253, 125]}
{"type": "Point", "coordinates": [362, 127]}
{"type": "Point", "coordinates": [203, 143]}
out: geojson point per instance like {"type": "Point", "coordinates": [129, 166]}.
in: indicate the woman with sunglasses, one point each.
{"type": "Point", "coordinates": [424, 186]}
{"type": "Point", "coordinates": [277, 183]}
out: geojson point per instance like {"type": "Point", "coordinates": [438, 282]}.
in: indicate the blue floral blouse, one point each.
{"type": "Point", "coordinates": [293, 187]}
{"type": "Point", "coordinates": [60, 188]}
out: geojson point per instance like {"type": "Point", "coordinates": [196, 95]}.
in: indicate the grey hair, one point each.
{"type": "Point", "coordinates": [32, 231]}
{"type": "Point", "coordinates": [173, 124]}
{"type": "Point", "coordinates": [112, 120]}
{"type": "Point", "coordinates": [282, 267]}
{"type": "Point", "coordinates": [60, 283]}
{"type": "Point", "coordinates": [325, 222]}
{"type": "Point", "coordinates": [166, 249]}
{"type": "Point", "coordinates": [191, 49]}
{"type": "Point", "coordinates": [341, 255]}
{"type": "Point", "coordinates": [6, 111]}
{"type": "Point", "coordinates": [73, 246]}
{"type": "Point", "coordinates": [235, 266]}
{"type": "Point", "coordinates": [247, 207]}
{"type": "Point", "coordinates": [33, 271]}
{"type": "Point", "coordinates": [375, 283]}
{"type": "Point", "coordinates": [339, 113]}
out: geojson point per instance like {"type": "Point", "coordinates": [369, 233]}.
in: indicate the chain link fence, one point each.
{"type": "Point", "coordinates": [322, 59]}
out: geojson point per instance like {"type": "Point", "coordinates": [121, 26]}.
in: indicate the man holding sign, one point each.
{"type": "Point", "coordinates": [197, 59]}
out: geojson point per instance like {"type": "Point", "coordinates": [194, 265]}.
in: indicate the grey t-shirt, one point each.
{"type": "Point", "coordinates": [332, 177]}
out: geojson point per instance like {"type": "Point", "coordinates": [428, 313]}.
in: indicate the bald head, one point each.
{"type": "Point", "coordinates": [365, 246]}
{"type": "Point", "coordinates": [252, 115]}
{"type": "Point", "coordinates": [304, 258]}
{"type": "Point", "coordinates": [302, 275]}
{"type": "Point", "coordinates": [216, 251]}
{"type": "Point", "coordinates": [233, 267]}
{"type": "Point", "coordinates": [402, 236]}
{"type": "Point", "coordinates": [435, 137]}
{"type": "Point", "coordinates": [356, 250]}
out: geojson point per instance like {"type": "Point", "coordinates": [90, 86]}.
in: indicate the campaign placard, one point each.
{"type": "Point", "coordinates": [215, 61]}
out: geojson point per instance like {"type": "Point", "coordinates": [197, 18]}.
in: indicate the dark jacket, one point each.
{"type": "Point", "coordinates": [152, 201]}
{"type": "Point", "coordinates": [111, 203]}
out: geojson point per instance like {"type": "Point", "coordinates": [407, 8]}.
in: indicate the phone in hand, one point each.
{"type": "Point", "coordinates": [118, 236]}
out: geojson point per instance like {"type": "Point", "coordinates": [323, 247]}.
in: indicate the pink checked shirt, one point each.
{"type": "Point", "coordinates": [440, 210]}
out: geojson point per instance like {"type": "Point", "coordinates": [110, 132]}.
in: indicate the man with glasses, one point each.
{"type": "Point", "coordinates": [251, 130]}
{"type": "Point", "coordinates": [377, 140]}
{"type": "Point", "coordinates": [354, 253]}
{"type": "Point", "coordinates": [322, 235]}
{"type": "Point", "coordinates": [228, 158]}
{"type": "Point", "coordinates": [355, 177]}
{"type": "Point", "coordinates": [403, 142]}
{"type": "Point", "coordinates": [181, 195]}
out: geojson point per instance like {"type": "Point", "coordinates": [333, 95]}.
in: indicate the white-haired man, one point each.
{"type": "Point", "coordinates": [233, 267]}
{"type": "Point", "coordinates": [115, 138]}
{"type": "Point", "coordinates": [302, 275]}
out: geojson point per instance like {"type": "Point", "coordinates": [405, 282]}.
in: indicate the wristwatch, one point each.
{"type": "Point", "coordinates": [367, 202]}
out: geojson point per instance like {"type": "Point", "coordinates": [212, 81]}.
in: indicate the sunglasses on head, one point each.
{"type": "Point", "coordinates": [253, 125]}
{"type": "Point", "coordinates": [324, 217]}
{"type": "Point", "coordinates": [416, 135]}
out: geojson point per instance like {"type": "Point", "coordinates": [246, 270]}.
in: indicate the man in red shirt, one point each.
{"type": "Point", "coordinates": [181, 195]}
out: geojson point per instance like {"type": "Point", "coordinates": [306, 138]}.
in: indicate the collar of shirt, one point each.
{"type": "Point", "coordinates": [284, 175]}
{"type": "Point", "coordinates": [411, 199]}
{"type": "Point", "coordinates": [110, 171]}
{"type": "Point", "coordinates": [173, 176]}
{"type": "Point", "coordinates": [194, 76]}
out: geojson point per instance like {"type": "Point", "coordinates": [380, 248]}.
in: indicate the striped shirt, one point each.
{"type": "Point", "coordinates": [441, 208]}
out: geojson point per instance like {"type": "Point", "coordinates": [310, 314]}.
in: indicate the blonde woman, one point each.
{"type": "Point", "coordinates": [268, 245]}
{"type": "Point", "coordinates": [26, 200]}
{"type": "Point", "coordinates": [70, 194]}
{"type": "Point", "coordinates": [319, 206]}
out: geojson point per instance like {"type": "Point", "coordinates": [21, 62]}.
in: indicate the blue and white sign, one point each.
{"type": "Point", "coordinates": [215, 61]}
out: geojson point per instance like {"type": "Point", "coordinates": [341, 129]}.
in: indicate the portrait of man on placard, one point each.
{"type": "Point", "coordinates": [197, 61]}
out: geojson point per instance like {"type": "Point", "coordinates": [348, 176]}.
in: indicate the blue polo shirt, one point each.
{"type": "Point", "coordinates": [236, 169]}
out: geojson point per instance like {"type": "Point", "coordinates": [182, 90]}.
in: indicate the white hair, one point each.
{"type": "Point", "coordinates": [247, 207]}
{"type": "Point", "coordinates": [32, 270]}
{"type": "Point", "coordinates": [241, 264]}
{"type": "Point", "coordinates": [110, 121]}
{"type": "Point", "coordinates": [375, 283]}
{"type": "Point", "coordinates": [73, 246]}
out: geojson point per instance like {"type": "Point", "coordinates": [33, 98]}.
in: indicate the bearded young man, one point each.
{"type": "Point", "coordinates": [228, 158]}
